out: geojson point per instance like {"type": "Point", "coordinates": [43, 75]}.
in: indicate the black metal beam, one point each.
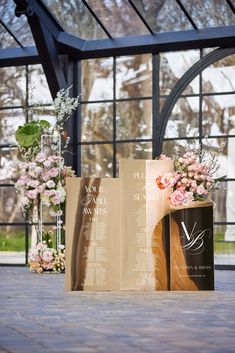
{"type": "Point", "coordinates": [141, 17]}
{"type": "Point", "coordinates": [30, 8]}
{"type": "Point", "coordinates": [49, 55]}
{"type": "Point", "coordinates": [140, 44]}
{"type": "Point", "coordinates": [7, 28]}
{"type": "Point", "coordinates": [96, 18]}
{"type": "Point", "coordinates": [180, 86]}
{"type": "Point", "coordinates": [230, 4]}
{"type": "Point", "coordinates": [19, 56]}
{"type": "Point", "coordinates": [183, 9]}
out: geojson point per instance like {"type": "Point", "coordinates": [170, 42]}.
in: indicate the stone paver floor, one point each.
{"type": "Point", "coordinates": [36, 315]}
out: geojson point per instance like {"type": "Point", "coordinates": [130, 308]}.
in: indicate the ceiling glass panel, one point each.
{"type": "Point", "coordinates": [76, 18]}
{"type": "Point", "coordinates": [6, 40]}
{"type": "Point", "coordinates": [210, 13]}
{"type": "Point", "coordinates": [158, 14]}
{"type": "Point", "coordinates": [118, 16]}
{"type": "Point", "coordinates": [18, 25]}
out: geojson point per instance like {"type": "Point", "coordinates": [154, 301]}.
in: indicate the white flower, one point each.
{"type": "Point", "coordinates": [47, 164]}
{"type": "Point", "coordinates": [50, 184]}
{"type": "Point", "coordinates": [32, 165]}
{"type": "Point", "coordinates": [24, 201]}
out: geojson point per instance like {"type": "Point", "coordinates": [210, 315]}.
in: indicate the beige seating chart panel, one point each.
{"type": "Point", "coordinates": [114, 230]}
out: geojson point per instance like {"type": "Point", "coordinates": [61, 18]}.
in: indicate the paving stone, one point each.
{"type": "Point", "coordinates": [36, 315]}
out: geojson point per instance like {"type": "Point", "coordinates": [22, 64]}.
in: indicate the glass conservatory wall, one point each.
{"type": "Point", "coordinates": [208, 114]}
{"type": "Point", "coordinates": [116, 112]}
{"type": "Point", "coordinates": [21, 90]}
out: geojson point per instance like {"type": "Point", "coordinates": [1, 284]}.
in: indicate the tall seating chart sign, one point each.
{"type": "Point", "coordinates": [144, 252]}
{"type": "Point", "coordinates": [93, 234]}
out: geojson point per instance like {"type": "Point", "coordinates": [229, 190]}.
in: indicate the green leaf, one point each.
{"type": "Point", "coordinates": [28, 134]}
{"type": "Point", "coordinates": [44, 124]}
{"type": "Point", "coordinates": [47, 237]}
{"type": "Point", "coordinates": [221, 178]}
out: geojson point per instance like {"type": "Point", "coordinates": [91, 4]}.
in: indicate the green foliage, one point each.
{"type": "Point", "coordinates": [47, 237]}
{"type": "Point", "coordinates": [29, 134]}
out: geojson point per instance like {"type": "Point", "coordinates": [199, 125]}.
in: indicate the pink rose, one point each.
{"type": "Point", "coordinates": [184, 181]}
{"type": "Point", "coordinates": [32, 194]}
{"type": "Point", "coordinates": [177, 197]}
{"type": "Point", "coordinates": [188, 197]}
{"type": "Point", "coordinates": [168, 180]}
{"type": "Point", "coordinates": [53, 172]}
{"type": "Point", "coordinates": [201, 190]}
{"type": "Point", "coordinates": [40, 189]}
{"type": "Point", "coordinates": [40, 157]}
{"type": "Point", "coordinates": [163, 157]}
{"type": "Point", "coordinates": [45, 176]}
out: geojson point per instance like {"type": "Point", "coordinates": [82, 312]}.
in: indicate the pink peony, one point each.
{"type": "Point", "coordinates": [177, 197]}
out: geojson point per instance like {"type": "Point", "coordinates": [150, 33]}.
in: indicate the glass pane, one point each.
{"type": "Point", "coordinates": [158, 14]}
{"type": "Point", "coordinates": [43, 113]}
{"type": "Point", "coordinates": [97, 160]}
{"type": "Point", "coordinates": [6, 40]}
{"type": "Point", "coordinates": [12, 86]}
{"type": "Point", "coordinates": [172, 148]}
{"type": "Point", "coordinates": [97, 122]}
{"type": "Point", "coordinates": [224, 202]}
{"type": "Point", "coordinates": [184, 119]}
{"type": "Point", "coordinates": [10, 119]}
{"type": "Point", "coordinates": [8, 160]}
{"type": "Point", "coordinates": [76, 18]}
{"type": "Point", "coordinates": [134, 119]}
{"type": "Point", "coordinates": [220, 76]}
{"type": "Point", "coordinates": [97, 79]}
{"type": "Point", "coordinates": [10, 211]}
{"type": "Point", "coordinates": [12, 244]}
{"type": "Point", "coordinates": [134, 76]}
{"type": "Point", "coordinates": [173, 66]}
{"type": "Point", "coordinates": [209, 13]}
{"type": "Point", "coordinates": [39, 92]}
{"type": "Point", "coordinates": [226, 157]}
{"type": "Point", "coordinates": [118, 17]}
{"type": "Point", "coordinates": [18, 25]}
{"type": "Point", "coordinates": [223, 248]}
{"type": "Point", "coordinates": [218, 114]}
{"type": "Point", "coordinates": [134, 150]}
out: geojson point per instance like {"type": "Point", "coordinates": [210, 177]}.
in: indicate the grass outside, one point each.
{"type": "Point", "coordinates": [15, 241]}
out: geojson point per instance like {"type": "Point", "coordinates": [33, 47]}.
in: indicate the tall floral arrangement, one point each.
{"type": "Point", "coordinates": [194, 176]}
{"type": "Point", "coordinates": [41, 169]}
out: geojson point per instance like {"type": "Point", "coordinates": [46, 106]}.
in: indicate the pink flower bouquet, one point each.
{"type": "Point", "coordinates": [192, 179]}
